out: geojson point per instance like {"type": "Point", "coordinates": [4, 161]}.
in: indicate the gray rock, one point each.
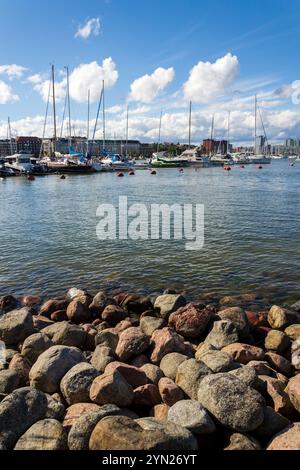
{"type": "Point", "coordinates": [66, 334]}
{"type": "Point", "coordinates": [238, 317]}
{"type": "Point", "coordinates": [191, 415]}
{"type": "Point", "coordinates": [189, 375]}
{"type": "Point", "coordinates": [222, 334]}
{"type": "Point", "coordinates": [16, 325]}
{"type": "Point", "coordinates": [107, 338]}
{"type": "Point", "coordinates": [296, 306]}
{"type": "Point", "coordinates": [176, 436]}
{"type": "Point", "coordinates": [55, 408]}
{"type": "Point", "coordinates": [247, 375]}
{"type": "Point", "coordinates": [9, 381]}
{"type": "Point", "coordinates": [150, 324]}
{"type": "Point", "coordinates": [153, 373]}
{"type": "Point", "coordinates": [170, 363]}
{"type": "Point", "coordinates": [234, 404]}
{"type": "Point", "coordinates": [122, 433]}
{"type": "Point", "coordinates": [34, 345]}
{"type": "Point", "coordinates": [102, 356]}
{"type": "Point", "coordinates": [18, 411]}
{"type": "Point", "coordinates": [111, 388]}
{"type": "Point", "coordinates": [272, 424]}
{"type": "Point", "coordinates": [47, 434]}
{"type": "Point", "coordinates": [168, 303]}
{"type": "Point", "coordinates": [242, 442]}
{"type": "Point", "coordinates": [52, 365]}
{"type": "Point", "coordinates": [75, 385]}
{"type": "Point", "coordinates": [217, 361]}
{"type": "Point", "coordinates": [80, 433]}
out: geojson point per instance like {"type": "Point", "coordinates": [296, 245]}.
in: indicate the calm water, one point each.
{"type": "Point", "coordinates": [49, 243]}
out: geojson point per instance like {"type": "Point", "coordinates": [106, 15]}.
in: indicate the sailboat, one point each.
{"type": "Point", "coordinates": [162, 159]}
{"type": "Point", "coordinates": [219, 158]}
{"type": "Point", "coordinates": [114, 160]}
{"type": "Point", "coordinates": [72, 162]}
{"type": "Point", "coordinates": [17, 162]}
{"type": "Point", "coordinates": [256, 158]}
{"type": "Point", "coordinates": [192, 156]}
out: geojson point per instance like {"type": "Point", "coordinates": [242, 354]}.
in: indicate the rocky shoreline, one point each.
{"type": "Point", "coordinates": [128, 372]}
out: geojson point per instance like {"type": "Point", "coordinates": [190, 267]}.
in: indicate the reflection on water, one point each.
{"type": "Point", "coordinates": [49, 243]}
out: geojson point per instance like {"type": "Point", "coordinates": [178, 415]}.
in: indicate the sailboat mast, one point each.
{"type": "Point", "coordinates": [159, 132]}
{"type": "Point", "coordinates": [212, 134]}
{"type": "Point", "coordinates": [10, 139]}
{"type": "Point", "coordinates": [228, 132]}
{"type": "Point", "coordinates": [54, 109]}
{"type": "Point", "coordinates": [255, 125]}
{"type": "Point", "coordinates": [88, 126]}
{"type": "Point", "coordinates": [103, 116]}
{"type": "Point", "coordinates": [69, 109]}
{"type": "Point", "coordinates": [127, 128]}
{"type": "Point", "coordinates": [190, 124]}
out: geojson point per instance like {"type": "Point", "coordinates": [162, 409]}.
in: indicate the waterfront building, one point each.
{"type": "Point", "coordinates": [29, 145]}
{"type": "Point", "coordinates": [20, 144]}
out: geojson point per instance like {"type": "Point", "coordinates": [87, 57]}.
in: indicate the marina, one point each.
{"type": "Point", "coordinates": [251, 231]}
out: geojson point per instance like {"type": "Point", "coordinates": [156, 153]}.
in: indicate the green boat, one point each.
{"type": "Point", "coordinates": [161, 160]}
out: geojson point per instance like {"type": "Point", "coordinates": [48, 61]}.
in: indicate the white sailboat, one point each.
{"type": "Point", "coordinates": [192, 156]}
{"type": "Point", "coordinates": [258, 158]}
{"type": "Point", "coordinates": [219, 158]}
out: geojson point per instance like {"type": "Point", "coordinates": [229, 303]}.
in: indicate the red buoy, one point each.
{"type": "Point", "coordinates": [227, 168]}
{"type": "Point", "coordinates": [30, 178]}
{"type": "Point", "coordinates": [120, 174]}
{"type": "Point", "coordinates": [131, 173]}
{"type": "Point", "coordinates": [153, 172]}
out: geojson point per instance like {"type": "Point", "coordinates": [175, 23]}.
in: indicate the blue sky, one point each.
{"type": "Point", "coordinates": [162, 54]}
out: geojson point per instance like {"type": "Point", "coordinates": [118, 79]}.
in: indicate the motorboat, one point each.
{"type": "Point", "coordinates": [220, 160]}
{"type": "Point", "coordinates": [117, 162]}
{"type": "Point", "coordinates": [240, 158]}
{"type": "Point", "coordinates": [163, 160]}
{"type": "Point", "coordinates": [193, 157]}
{"type": "Point", "coordinates": [4, 171]}
{"type": "Point", "coordinates": [259, 159]}
{"type": "Point", "coordinates": [19, 162]}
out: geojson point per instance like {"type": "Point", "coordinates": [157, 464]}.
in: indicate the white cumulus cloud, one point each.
{"type": "Point", "coordinates": [12, 70]}
{"type": "Point", "coordinates": [6, 94]}
{"type": "Point", "coordinates": [89, 77]}
{"type": "Point", "coordinates": [90, 27]}
{"type": "Point", "coordinates": [83, 78]}
{"type": "Point", "coordinates": [148, 87]}
{"type": "Point", "coordinates": [208, 80]}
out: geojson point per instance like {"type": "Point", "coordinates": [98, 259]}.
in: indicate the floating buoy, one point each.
{"type": "Point", "coordinates": [227, 168]}
{"type": "Point", "coordinates": [62, 177]}
{"type": "Point", "coordinates": [131, 173]}
{"type": "Point", "coordinates": [259, 167]}
{"type": "Point", "coordinates": [30, 178]}
{"type": "Point", "coordinates": [120, 174]}
{"type": "Point", "coordinates": [153, 172]}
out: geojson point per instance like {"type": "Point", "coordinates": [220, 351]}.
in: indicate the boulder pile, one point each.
{"type": "Point", "coordinates": [128, 372]}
